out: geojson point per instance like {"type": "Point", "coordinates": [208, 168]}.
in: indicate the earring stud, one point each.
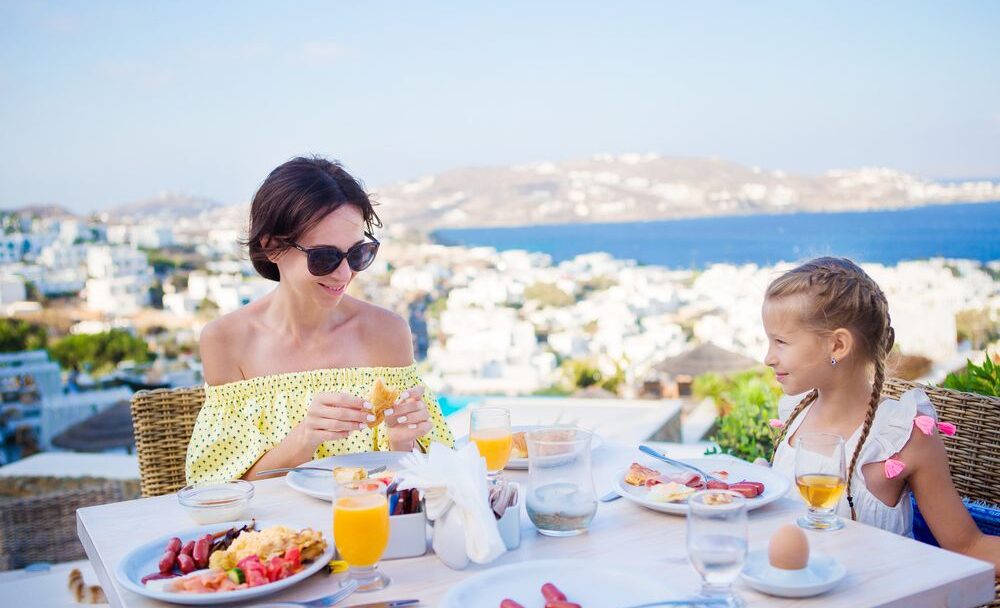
{"type": "Point", "coordinates": [833, 361]}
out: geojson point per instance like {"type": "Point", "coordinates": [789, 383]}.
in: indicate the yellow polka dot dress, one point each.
{"type": "Point", "coordinates": [241, 421]}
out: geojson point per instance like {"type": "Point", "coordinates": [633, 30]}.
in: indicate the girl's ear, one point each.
{"type": "Point", "coordinates": [841, 344]}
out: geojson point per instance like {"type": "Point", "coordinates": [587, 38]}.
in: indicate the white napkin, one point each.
{"type": "Point", "coordinates": [454, 486]}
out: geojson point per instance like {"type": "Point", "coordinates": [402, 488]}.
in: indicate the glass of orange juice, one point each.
{"type": "Point", "coordinates": [361, 530]}
{"type": "Point", "coordinates": [821, 476]}
{"type": "Point", "coordinates": [489, 428]}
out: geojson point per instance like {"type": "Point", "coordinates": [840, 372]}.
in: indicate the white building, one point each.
{"type": "Point", "coordinates": [151, 236]}
{"type": "Point", "coordinates": [122, 295]}
{"type": "Point", "coordinates": [11, 289]}
{"type": "Point", "coordinates": [120, 279]}
{"type": "Point", "coordinates": [106, 262]}
{"type": "Point", "coordinates": [59, 255]}
{"type": "Point", "coordinates": [18, 246]}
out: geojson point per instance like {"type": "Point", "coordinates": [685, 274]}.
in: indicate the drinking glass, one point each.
{"type": "Point", "coordinates": [561, 500]}
{"type": "Point", "coordinates": [717, 541]}
{"type": "Point", "coordinates": [361, 530]}
{"type": "Point", "coordinates": [489, 428]}
{"type": "Point", "coordinates": [821, 477]}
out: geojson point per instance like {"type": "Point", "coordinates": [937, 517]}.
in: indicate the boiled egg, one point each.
{"type": "Point", "coordinates": [789, 548]}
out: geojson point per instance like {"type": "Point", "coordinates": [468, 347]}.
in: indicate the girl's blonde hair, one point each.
{"type": "Point", "coordinates": [839, 294]}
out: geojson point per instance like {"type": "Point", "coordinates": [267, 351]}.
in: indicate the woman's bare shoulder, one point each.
{"type": "Point", "coordinates": [386, 335]}
{"type": "Point", "coordinates": [222, 341]}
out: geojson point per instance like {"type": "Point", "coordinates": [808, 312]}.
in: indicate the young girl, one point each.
{"type": "Point", "coordinates": [829, 334]}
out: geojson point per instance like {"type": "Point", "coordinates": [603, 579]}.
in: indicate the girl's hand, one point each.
{"type": "Point", "coordinates": [332, 416]}
{"type": "Point", "coordinates": [407, 420]}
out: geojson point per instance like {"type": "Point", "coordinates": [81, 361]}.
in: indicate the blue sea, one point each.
{"type": "Point", "coordinates": [969, 231]}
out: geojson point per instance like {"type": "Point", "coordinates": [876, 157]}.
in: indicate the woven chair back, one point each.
{"type": "Point", "coordinates": [972, 452]}
{"type": "Point", "coordinates": [164, 420]}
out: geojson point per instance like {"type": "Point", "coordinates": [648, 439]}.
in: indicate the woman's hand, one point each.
{"type": "Point", "coordinates": [407, 420]}
{"type": "Point", "coordinates": [332, 416]}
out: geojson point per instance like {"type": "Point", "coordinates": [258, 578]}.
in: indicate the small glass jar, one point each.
{"type": "Point", "coordinates": [561, 500]}
{"type": "Point", "coordinates": [213, 503]}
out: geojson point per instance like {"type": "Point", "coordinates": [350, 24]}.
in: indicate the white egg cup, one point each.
{"type": "Point", "coordinates": [821, 574]}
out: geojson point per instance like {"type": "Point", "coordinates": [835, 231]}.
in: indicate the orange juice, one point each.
{"type": "Point", "coordinates": [494, 445]}
{"type": "Point", "coordinates": [361, 528]}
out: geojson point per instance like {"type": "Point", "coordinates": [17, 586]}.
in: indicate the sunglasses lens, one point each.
{"type": "Point", "coordinates": [361, 256]}
{"type": "Point", "coordinates": [323, 261]}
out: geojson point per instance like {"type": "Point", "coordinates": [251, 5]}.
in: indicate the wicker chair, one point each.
{"type": "Point", "coordinates": [164, 420]}
{"type": "Point", "coordinates": [972, 452]}
{"type": "Point", "coordinates": [38, 515]}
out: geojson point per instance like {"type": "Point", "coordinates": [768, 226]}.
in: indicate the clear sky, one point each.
{"type": "Point", "coordinates": [108, 102]}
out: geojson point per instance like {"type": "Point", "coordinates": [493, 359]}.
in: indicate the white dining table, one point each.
{"type": "Point", "coordinates": [883, 569]}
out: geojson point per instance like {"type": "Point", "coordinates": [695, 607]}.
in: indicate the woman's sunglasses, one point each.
{"type": "Point", "coordinates": [323, 260]}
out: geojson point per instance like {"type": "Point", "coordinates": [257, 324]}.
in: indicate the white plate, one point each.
{"type": "Point", "coordinates": [521, 464]}
{"type": "Point", "coordinates": [143, 560]}
{"type": "Point", "coordinates": [775, 486]}
{"type": "Point", "coordinates": [320, 485]}
{"type": "Point", "coordinates": [610, 587]}
{"type": "Point", "coordinates": [821, 574]}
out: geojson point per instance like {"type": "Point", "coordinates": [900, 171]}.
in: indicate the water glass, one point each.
{"type": "Point", "coordinates": [561, 500]}
{"type": "Point", "coordinates": [821, 477]}
{"type": "Point", "coordinates": [489, 429]}
{"type": "Point", "coordinates": [717, 541]}
{"type": "Point", "coordinates": [361, 530]}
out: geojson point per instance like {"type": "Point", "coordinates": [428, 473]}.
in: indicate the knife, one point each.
{"type": "Point", "coordinates": [392, 604]}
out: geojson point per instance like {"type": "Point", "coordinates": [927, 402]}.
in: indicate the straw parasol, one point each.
{"type": "Point", "coordinates": [106, 430]}
{"type": "Point", "coordinates": [703, 359]}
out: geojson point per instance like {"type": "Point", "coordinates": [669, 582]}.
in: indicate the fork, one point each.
{"type": "Point", "coordinates": [695, 601]}
{"type": "Point", "coordinates": [303, 468]}
{"type": "Point", "coordinates": [645, 449]}
{"type": "Point", "coordinates": [348, 587]}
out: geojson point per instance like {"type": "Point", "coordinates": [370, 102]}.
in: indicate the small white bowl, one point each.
{"type": "Point", "coordinates": [821, 574]}
{"type": "Point", "coordinates": [212, 503]}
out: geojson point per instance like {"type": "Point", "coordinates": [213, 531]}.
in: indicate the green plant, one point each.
{"type": "Point", "coordinates": [982, 379]}
{"type": "Point", "coordinates": [710, 385]}
{"type": "Point", "coordinates": [580, 373]}
{"type": "Point", "coordinates": [99, 352]}
{"type": "Point", "coordinates": [747, 402]}
{"type": "Point", "coordinates": [17, 335]}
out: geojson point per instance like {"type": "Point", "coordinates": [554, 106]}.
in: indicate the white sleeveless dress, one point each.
{"type": "Point", "coordinates": [891, 429]}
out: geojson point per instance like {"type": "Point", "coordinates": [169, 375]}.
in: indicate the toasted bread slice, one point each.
{"type": "Point", "coordinates": [638, 474]}
{"type": "Point", "coordinates": [382, 398]}
{"type": "Point", "coordinates": [345, 474]}
{"type": "Point", "coordinates": [519, 445]}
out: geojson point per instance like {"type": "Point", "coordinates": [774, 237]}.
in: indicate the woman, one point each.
{"type": "Point", "coordinates": [287, 376]}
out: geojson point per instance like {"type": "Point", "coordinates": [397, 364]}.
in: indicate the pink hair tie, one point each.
{"type": "Point", "coordinates": [776, 423]}
{"type": "Point", "coordinates": [947, 428]}
{"type": "Point", "coordinates": [893, 467]}
{"type": "Point", "coordinates": [925, 424]}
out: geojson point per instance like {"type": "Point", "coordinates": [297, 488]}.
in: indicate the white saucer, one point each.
{"type": "Point", "coordinates": [821, 574]}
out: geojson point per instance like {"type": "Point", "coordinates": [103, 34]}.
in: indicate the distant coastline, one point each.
{"type": "Point", "coordinates": [888, 236]}
{"type": "Point", "coordinates": [769, 213]}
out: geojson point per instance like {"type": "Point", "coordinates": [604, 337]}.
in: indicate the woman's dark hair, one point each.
{"type": "Point", "coordinates": [293, 199]}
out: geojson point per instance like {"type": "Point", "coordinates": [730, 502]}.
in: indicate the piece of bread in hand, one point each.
{"type": "Point", "coordinates": [382, 398]}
